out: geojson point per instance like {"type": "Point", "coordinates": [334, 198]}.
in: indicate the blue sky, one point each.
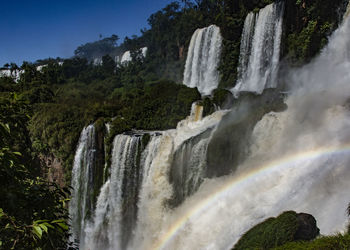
{"type": "Point", "coordinates": [38, 29]}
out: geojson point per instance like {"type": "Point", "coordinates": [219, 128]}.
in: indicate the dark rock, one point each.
{"type": "Point", "coordinates": [275, 232]}
{"type": "Point", "coordinates": [52, 169]}
{"type": "Point", "coordinates": [307, 229]}
{"type": "Point", "coordinates": [228, 147]}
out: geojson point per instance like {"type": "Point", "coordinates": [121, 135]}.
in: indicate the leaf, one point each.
{"type": "Point", "coordinates": [1, 213]}
{"type": "Point", "coordinates": [43, 227]}
{"type": "Point", "coordinates": [63, 225]}
{"type": "Point", "coordinates": [49, 225]}
{"type": "Point", "coordinates": [57, 221]}
{"type": "Point", "coordinates": [40, 221]}
{"type": "Point", "coordinates": [37, 230]}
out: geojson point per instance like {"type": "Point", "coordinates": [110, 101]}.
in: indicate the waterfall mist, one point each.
{"type": "Point", "coordinates": [298, 160]}
{"type": "Point", "coordinates": [162, 196]}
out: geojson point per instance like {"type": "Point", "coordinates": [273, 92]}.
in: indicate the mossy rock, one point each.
{"type": "Point", "coordinates": [223, 98]}
{"type": "Point", "coordinates": [274, 232]}
{"type": "Point", "coordinates": [335, 242]}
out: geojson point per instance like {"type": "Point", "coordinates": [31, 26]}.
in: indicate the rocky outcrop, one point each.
{"type": "Point", "coordinates": [53, 169]}
{"type": "Point", "coordinates": [274, 232]}
{"type": "Point", "coordinates": [307, 229]}
{"type": "Point", "coordinates": [347, 13]}
{"type": "Point", "coordinates": [228, 146]}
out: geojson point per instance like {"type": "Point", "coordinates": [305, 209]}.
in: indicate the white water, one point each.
{"type": "Point", "coordinates": [260, 50]}
{"type": "Point", "coordinates": [316, 118]}
{"type": "Point", "coordinates": [82, 172]}
{"type": "Point", "coordinates": [224, 208]}
{"type": "Point", "coordinates": [15, 74]}
{"type": "Point", "coordinates": [106, 229]}
{"type": "Point", "coordinates": [203, 59]}
{"type": "Point", "coordinates": [126, 57]}
{"type": "Point", "coordinates": [156, 189]}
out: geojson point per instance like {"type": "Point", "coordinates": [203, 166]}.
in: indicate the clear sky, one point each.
{"type": "Point", "coordinates": [38, 29]}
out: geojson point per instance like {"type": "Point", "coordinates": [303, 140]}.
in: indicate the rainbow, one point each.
{"type": "Point", "coordinates": [284, 162]}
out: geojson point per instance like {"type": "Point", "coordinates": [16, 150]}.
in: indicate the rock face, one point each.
{"type": "Point", "coordinates": [275, 232]}
{"type": "Point", "coordinates": [307, 229]}
{"type": "Point", "coordinates": [53, 169]}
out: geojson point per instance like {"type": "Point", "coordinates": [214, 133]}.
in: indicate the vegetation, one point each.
{"type": "Point", "coordinates": [270, 233]}
{"type": "Point", "coordinates": [308, 26]}
{"type": "Point", "coordinates": [33, 211]}
{"type": "Point", "coordinates": [336, 242]}
{"type": "Point", "coordinates": [279, 234]}
{"type": "Point", "coordinates": [43, 113]}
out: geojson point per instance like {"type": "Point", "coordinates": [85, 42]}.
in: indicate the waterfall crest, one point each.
{"type": "Point", "coordinates": [260, 50]}
{"type": "Point", "coordinates": [203, 59]}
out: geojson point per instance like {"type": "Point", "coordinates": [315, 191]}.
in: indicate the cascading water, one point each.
{"type": "Point", "coordinates": [260, 50]}
{"type": "Point", "coordinates": [203, 59]}
{"type": "Point", "coordinates": [82, 203]}
{"type": "Point", "coordinates": [116, 205]}
{"type": "Point", "coordinates": [126, 57]}
{"type": "Point", "coordinates": [160, 197]}
{"type": "Point", "coordinates": [299, 160]}
{"type": "Point", "coordinates": [132, 201]}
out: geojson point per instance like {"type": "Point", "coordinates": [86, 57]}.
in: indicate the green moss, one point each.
{"type": "Point", "coordinates": [272, 232]}
{"type": "Point", "coordinates": [222, 98]}
{"type": "Point", "coordinates": [336, 242]}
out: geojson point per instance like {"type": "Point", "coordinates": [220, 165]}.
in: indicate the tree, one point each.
{"type": "Point", "coordinates": [96, 49]}
{"type": "Point", "coordinates": [108, 65]}
{"type": "Point", "coordinates": [33, 211]}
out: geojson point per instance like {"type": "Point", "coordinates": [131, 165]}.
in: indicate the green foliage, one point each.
{"type": "Point", "coordinates": [271, 233]}
{"type": "Point", "coordinates": [98, 48]}
{"type": "Point", "coordinates": [336, 242]}
{"type": "Point", "coordinates": [308, 24]}
{"type": "Point", "coordinates": [25, 198]}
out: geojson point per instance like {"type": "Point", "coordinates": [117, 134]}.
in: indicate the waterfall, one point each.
{"type": "Point", "coordinates": [160, 195]}
{"type": "Point", "coordinates": [81, 204]}
{"type": "Point", "coordinates": [298, 160]}
{"type": "Point", "coordinates": [157, 191]}
{"type": "Point", "coordinates": [14, 74]}
{"type": "Point", "coordinates": [203, 59]}
{"type": "Point", "coordinates": [133, 200]}
{"type": "Point", "coordinates": [260, 50]}
{"type": "Point", "coordinates": [126, 57]}
{"type": "Point", "coordinates": [116, 205]}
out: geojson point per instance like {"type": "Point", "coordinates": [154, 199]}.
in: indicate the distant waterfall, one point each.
{"type": "Point", "coordinates": [260, 50]}
{"type": "Point", "coordinates": [82, 203]}
{"type": "Point", "coordinates": [126, 57]}
{"type": "Point", "coordinates": [203, 59]}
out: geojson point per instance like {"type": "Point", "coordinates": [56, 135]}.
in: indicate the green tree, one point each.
{"type": "Point", "coordinates": [33, 211]}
